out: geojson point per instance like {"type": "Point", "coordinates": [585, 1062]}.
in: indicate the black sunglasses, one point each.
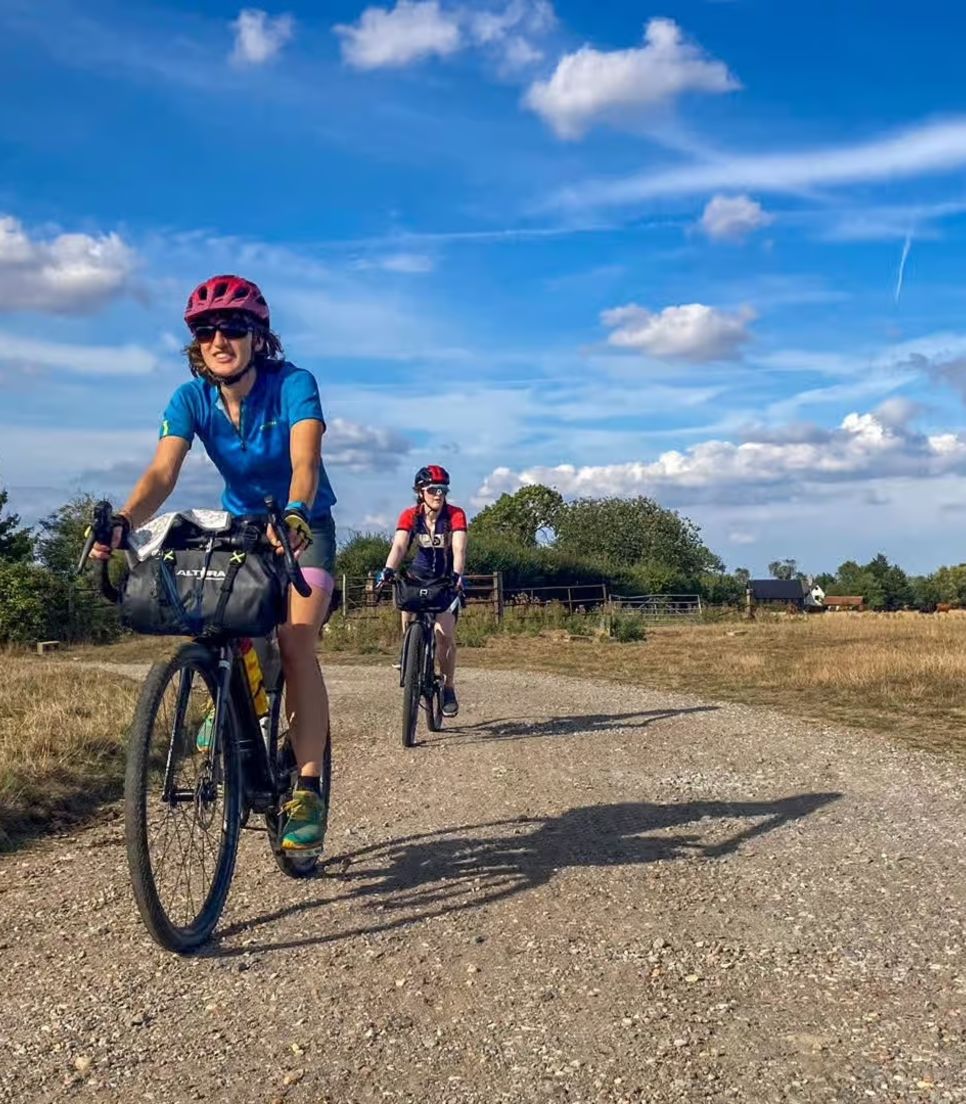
{"type": "Point", "coordinates": [234, 331]}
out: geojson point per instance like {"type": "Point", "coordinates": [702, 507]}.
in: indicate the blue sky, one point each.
{"type": "Point", "coordinates": [710, 251]}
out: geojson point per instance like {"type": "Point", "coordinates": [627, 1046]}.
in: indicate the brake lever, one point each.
{"type": "Point", "coordinates": [100, 531]}
{"type": "Point", "coordinates": [292, 568]}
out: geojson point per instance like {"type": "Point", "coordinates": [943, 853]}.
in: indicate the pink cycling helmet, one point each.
{"type": "Point", "coordinates": [220, 293]}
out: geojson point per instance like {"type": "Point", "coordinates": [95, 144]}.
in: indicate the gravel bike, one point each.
{"type": "Point", "coordinates": [418, 677]}
{"type": "Point", "coordinates": [202, 758]}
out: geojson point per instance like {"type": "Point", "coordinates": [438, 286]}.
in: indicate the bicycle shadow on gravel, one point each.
{"type": "Point", "coordinates": [432, 874]}
{"type": "Point", "coordinates": [513, 728]}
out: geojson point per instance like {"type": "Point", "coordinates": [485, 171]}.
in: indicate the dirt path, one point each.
{"type": "Point", "coordinates": [576, 893]}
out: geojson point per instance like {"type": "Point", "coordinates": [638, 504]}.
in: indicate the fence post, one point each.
{"type": "Point", "coordinates": [498, 592]}
{"type": "Point", "coordinates": [345, 598]}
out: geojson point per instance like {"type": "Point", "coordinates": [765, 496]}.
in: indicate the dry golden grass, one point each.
{"type": "Point", "coordinates": [62, 736]}
{"type": "Point", "coordinates": [902, 674]}
{"type": "Point", "coordinates": [62, 730]}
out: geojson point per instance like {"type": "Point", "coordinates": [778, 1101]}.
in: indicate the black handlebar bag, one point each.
{"type": "Point", "coordinates": [200, 584]}
{"type": "Point", "coordinates": [423, 595]}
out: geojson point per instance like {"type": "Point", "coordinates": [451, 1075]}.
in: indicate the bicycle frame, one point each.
{"type": "Point", "coordinates": [261, 786]}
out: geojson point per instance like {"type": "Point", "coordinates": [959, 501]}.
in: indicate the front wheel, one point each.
{"type": "Point", "coordinates": [433, 700]}
{"type": "Point", "coordinates": [182, 800]}
{"type": "Point", "coordinates": [292, 864]}
{"type": "Point", "coordinates": [414, 658]}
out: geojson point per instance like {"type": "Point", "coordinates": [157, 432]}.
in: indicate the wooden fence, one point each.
{"type": "Point", "coordinates": [662, 607]}
{"type": "Point", "coordinates": [360, 599]}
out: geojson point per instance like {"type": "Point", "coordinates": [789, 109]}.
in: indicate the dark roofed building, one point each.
{"type": "Point", "coordinates": [785, 592]}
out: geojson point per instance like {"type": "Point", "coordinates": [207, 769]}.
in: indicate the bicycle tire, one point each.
{"type": "Point", "coordinates": [433, 701]}
{"type": "Point", "coordinates": [174, 936]}
{"type": "Point", "coordinates": [293, 865]}
{"type": "Point", "coordinates": [413, 650]}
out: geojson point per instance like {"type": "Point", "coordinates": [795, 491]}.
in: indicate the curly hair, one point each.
{"type": "Point", "coordinates": [270, 354]}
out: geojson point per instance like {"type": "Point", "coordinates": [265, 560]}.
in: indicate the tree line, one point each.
{"type": "Point", "coordinates": [533, 537]}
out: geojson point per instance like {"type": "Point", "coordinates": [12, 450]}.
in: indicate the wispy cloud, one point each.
{"type": "Point", "coordinates": [592, 86]}
{"type": "Point", "coordinates": [410, 264]}
{"type": "Point", "coordinates": [258, 37]}
{"type": "Point", "coordinates": [931, 148]}
{"type": "Point", "coordinates": [30, 354]}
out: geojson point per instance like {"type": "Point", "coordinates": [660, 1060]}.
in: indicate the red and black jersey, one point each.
{"type": "Point", "coordinates": [434, 551]}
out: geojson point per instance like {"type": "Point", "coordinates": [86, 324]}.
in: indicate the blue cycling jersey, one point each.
{"type": "Point", "coordinates": [254, 460]}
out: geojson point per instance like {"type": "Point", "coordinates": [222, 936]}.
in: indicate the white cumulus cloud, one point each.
{"type": "Point", "coordinates": [692, 332]}
{"type": "Point", "coordinates": [68, 274]}
{"type": "Point", "coordinates": [862, 449]}
{"type": "Point", "coordinates": [591, 86]}
{"type": "Point", "coordinates": [258, 37]}
{"type": "Point", "coordinates": [731, 218]}
{"type": "Point", "coordinates": [398, 36]}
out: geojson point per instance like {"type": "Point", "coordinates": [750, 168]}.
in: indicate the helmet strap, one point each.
{"type": "Point", "coordinates": [239, 375]}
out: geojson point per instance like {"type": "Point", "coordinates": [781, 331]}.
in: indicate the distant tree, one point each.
{"type": "Point", "coordinates": [16, 542]}
{"type": "Point", "coordinates": [62, 535]}
{"type": "Point", "coordinates": [741, 576]}
{"type": "Point", "coordinates": [365, 552]}
{"type": "Point", "coordinates": [783, 569]}
{"type": "Point", "coordinates": [925, 591]}
{"type": "Point", "coordinates": [634, 532]}
{"type": "Point", "coordinates": [948, 584]}
{"type": "Point", "coordinates": [520, 517]}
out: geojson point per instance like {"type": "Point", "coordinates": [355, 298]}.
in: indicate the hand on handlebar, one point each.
{"type": "Point", "coordinates": [299, 532]}
{"type": "Point", "coordinates": [120, 527]}
{"type": "Point", "coordinates": [386, 575]}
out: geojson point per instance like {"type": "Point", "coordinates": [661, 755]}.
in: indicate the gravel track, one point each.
{"type": "Point", "coordinates": [577, 892]}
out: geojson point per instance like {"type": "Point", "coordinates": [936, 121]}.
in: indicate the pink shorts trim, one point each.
{"type": "Point", "coordinates": [319, 578]}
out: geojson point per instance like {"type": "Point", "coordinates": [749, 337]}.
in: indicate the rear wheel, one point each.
{"type": "Point", "coordinates": [414, 653]}
{"type": "Point", "coordinates": [182, 801]}
{"type": "Point", "coordinates": [292, 864]}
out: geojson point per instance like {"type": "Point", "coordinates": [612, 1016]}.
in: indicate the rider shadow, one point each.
{"type": "Point", "coordinates": [433, 874]}
{"type": "Point", "coordinates": [511, 728]}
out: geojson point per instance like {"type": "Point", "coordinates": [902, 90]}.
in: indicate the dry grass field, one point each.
{"type": "Point", "coordinates": [902, 675]}
{"type": "Point", "coordinates": [62, 737]}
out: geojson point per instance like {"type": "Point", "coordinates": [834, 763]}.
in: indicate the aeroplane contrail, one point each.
{"type": "Point", "coordinates": [902, 264]}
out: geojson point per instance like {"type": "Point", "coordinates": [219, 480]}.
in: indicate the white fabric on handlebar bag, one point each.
{"type": "Point", "coordinates": [147, 540]}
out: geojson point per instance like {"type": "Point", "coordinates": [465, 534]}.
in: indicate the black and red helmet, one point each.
{"type": "Point", "coordinates": [429, 475]}
{"type": "Point", "coordinates": [227, 293]}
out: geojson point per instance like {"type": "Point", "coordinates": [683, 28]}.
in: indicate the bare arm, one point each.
{"type": "Point", "coordinates": [400, 546]}
{"type": "Point", "coordinates": [151, 490]}
{"type": "Point", "coordinates": [305, 449]}
{"type": "Point", "coordinates": [459, 551]}
{"type": "Point", "coordinates": [157, 482]}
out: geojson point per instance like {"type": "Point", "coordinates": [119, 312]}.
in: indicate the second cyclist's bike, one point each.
{"type": "Point", "coordinates": [420, 681]}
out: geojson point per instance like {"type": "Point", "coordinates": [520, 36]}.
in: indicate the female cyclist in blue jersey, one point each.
{"type": "Point", "coordinates": [438, 530]}
{"type": "Point", "coordinates": [260, 421]}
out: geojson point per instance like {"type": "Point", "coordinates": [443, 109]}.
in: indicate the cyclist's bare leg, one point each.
{"type": "Point", "coordinates": [306, 697]}
{"type": "Point", "coordinates": [446, 645]}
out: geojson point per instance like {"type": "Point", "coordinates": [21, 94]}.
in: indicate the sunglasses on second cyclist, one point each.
{"type": "Point", "coordinates": [436, 488]}
{"type": "Point", "coordinates": [234, 331]}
